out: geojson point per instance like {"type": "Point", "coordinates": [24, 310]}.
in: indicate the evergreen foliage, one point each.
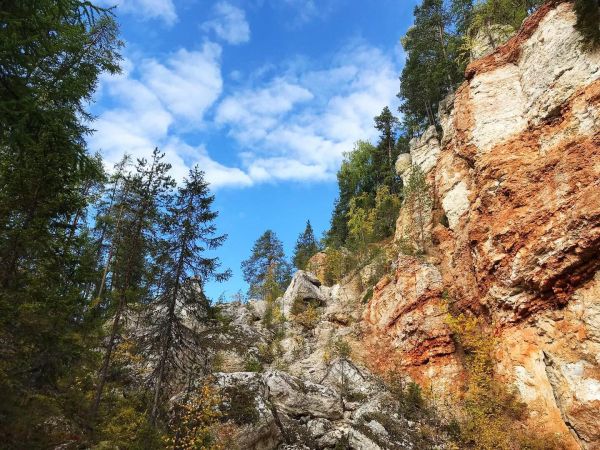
{"type": "Point", "coordinates": [588, 21]}
{"type": "Point", "coordinates": [266, 270]}
{"type": "Point", "coordinates": [135, 240]}
{"type": "Point", "coordinates": [363, 172]}
{"type": "Point", "coordinates": [432, 67]}
{"type": "Point", "coordinates": [306, 246]}
{"type": "Point", "coordinates": [188, 232]}
{"type": "Point", "coordinates": [51, 55]}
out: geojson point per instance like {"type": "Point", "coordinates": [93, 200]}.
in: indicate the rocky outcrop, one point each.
{"type": "Point", "coordinates": [282, 411]}
{"type": "Point", "coordinates": [488, 38]}
{"type": "Point", "coordinates": [304, 288]}
{"type": "Point", "coordinates": [515, 227]}
{"type": "Point", "coordinates": [310, 396]}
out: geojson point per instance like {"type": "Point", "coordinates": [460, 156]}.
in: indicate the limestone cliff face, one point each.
{"type": "Point", "coordinates": [515, 228]}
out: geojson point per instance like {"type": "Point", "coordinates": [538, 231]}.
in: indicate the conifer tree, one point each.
{"type": "Point", "coordinates": [135, 239]}
{"type": "Point", "coordinates": [267, 263]}
{"type": "Point", "coordinates": [306, 246]}
{"type": "Point", "coordinates": [51, 55]}
{"type": "Point", "coordinates": [432, 68]}
{"type": "Point", "coordinates": [388, 126]}
{"type": "Point", "coordinates": [189, 233]}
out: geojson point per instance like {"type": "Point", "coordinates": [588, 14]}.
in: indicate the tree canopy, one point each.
{"type": "Point", "coordinates": [306, 246]}
{"type": "Point", "coordinates": [266, 271]}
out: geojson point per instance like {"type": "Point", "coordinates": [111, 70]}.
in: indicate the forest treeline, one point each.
{"type": "Point", "coordinates": [83, 251]}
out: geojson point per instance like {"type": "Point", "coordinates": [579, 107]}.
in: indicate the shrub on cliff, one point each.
{"type": "Point", "coordinates": [493, 415]}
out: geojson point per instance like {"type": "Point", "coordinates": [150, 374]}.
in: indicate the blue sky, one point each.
{"type": "Point", "coordinates": [264, 95]}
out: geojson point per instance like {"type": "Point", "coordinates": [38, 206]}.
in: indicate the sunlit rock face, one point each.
{"type": "Point", "coordinates": [516, 177]}
{"type": "Point", "coordinates": [308, 396]}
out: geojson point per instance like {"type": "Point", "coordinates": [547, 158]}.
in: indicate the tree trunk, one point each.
{"type": "Point", "coordinates": [167, 340]}
{"type": "Point", "coordinates": [107, 356]}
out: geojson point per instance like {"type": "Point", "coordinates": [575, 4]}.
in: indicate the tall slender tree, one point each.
{"type": "Point", "coordinates": [189, 232]}
{"type": "Point", "coordinates": [388, 126]}
{"type": "Point", "coordinates": [51, 55]}
{"type": "Point", "coordinates": [135, 240]}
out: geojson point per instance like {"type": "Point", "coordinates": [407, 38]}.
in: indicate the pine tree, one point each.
{"type": "Point", "coordinates": [267, 258]}
{"type": "Point", "coordinates": [306, 246]}
{"type": "Point", "coordinates": [189, 233]}
{"type": "Point", "coordinates": [134, 240]}
{"type": "Point", "coordinates": [432, 68]}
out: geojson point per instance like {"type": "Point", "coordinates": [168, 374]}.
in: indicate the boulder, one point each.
{"type": "Point", "coordinates": [304, 287]}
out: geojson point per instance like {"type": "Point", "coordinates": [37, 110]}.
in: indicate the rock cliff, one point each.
{"type": "Point", "coordinates": [514, 174]}
{"type": "Point", "coordinates": [311, 391]}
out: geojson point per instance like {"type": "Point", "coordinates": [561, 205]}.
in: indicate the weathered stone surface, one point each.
{"type": "Point", "coordinates": [489, 38]}
{"type": "Point", "coordinates": [517, 176]}
{"type": "Point", "coordinates": [425, 150]}
{"type": "Point", "coordinates": [304, 287]}
{"type": "Point", "coordinates": [403, 163]}
{"type": "Point", "coordinates": [302, 398]}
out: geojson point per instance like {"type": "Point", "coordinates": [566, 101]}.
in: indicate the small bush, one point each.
{"type": "Point", "coordinates": [492, 411]}
{"type": "Point", "coordinates": [195, 422]}
{"type": "Point", "coordinates": [335, 266]}
{"type": "Point", "coordinates": [305, 312]}
{"type": "Point", "coordinates": [252, 365]}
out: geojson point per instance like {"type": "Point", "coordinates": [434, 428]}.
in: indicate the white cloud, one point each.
{"type": "Point", "coordinates": [292, 122]}
{"type": "Point", "coordinates": [145, 9]}
{"type": "Point", "coordinates": [189, 82]}
{"type": "Point", "coordinates": [143, 111]}
{"type": "Point", "coordinates": [228, 23]}
{"type": "Point", "coordinates": [296, 126]}
{"type": "Point", "coordinates": [256, 111]}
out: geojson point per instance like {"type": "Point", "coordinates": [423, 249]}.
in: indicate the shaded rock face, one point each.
{"type": "Point", "coordinates": [516, 174]}
{"type": "Point", "coordinates": [291, 413]}
{"type": "Point", "coordinates": [489, 38]}
{"type": "Point", "coordinates": [304, 287]}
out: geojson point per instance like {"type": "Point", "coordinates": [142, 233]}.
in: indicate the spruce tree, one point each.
{"type": "Point", "coordinates": [267, 263]}
{"type": "Point", "coordinates": [388, 126]}
{"type": "Point", "coordinates": [135, 240]}
{"type": "Point", "coordinates": [189, 233]}
{"type": "Point", "coordinates": [306, 246]}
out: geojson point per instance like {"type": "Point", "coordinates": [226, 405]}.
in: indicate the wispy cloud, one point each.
{"type": "Point", "coordinates": [292, 122]}
{"type": "Point", "coordinates": [146, 104]}
{"type": "Point", "coordinates": [188, 82]}
{"type": "Point", "coordinates": [297, 125]}
{"type": "Point", "coordinates": [229, 23]}
{"type": "Point", "coordinates": [145, 9]}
